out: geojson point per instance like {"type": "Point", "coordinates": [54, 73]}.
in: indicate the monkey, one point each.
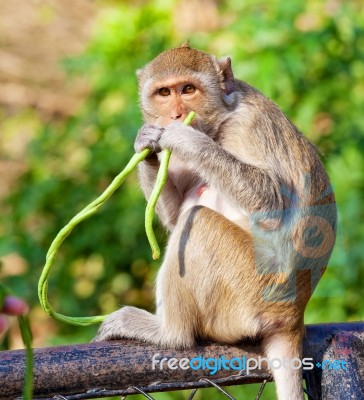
{"type": "Point", "coordinates": [249, 208]}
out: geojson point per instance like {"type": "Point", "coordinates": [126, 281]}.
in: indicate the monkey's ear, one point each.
{"type": "Point", "coordinates": [186, 45]}
{"type": "Point", "coordinates": [139, 73]}
{"type": "Point", "coordinates": [226, 72]}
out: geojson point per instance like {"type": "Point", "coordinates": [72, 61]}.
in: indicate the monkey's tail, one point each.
{"type": "Point", "coordinates": [284, 352]}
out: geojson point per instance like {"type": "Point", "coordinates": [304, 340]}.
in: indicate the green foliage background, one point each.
{"type": "Point", "coordinates": [307, 55]}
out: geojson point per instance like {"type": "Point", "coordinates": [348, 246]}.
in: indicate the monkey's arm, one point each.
{"type": "Point", "coordinates": [249, 187]}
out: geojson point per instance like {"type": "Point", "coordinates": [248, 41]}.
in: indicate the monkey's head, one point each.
{"type": "Point", "coordinates": [181, 80]}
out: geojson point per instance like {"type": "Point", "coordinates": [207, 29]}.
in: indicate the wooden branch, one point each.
{"type": "Point", "coordinates": [122, 367]}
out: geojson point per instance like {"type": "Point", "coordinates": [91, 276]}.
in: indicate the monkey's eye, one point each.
{"type": "Point", "coordinates": [164, 91]}
{"type": "Point", "coordinates": [189, 89]}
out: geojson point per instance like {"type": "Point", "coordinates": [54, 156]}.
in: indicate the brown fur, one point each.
{"type": "Point", "coordinates": [250, 210]}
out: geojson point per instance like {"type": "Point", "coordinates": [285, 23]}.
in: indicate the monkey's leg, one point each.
{"type": "Point", "coordinates": [287, 348]}
{"type": "Point", "coordinates": [173, 325]}
{"type": "Point", "coordinates": [197, 280]}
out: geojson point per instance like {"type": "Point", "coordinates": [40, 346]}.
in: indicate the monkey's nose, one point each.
{"type": "Point", "coordinates": [175, 117]}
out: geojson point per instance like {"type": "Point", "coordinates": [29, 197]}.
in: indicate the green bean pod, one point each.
{"type": "Point", "coordinates": [158, 186]}
{"type": "Point", "coordinates": [65, 231]}
{"type": "Point", "coordinates": [91, 209]}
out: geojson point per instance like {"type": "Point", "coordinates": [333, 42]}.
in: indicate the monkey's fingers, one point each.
{"type": "Point", "coordinates": [148, 137]}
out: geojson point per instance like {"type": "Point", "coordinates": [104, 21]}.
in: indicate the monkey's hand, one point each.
{"type": "Point", "coordinates": [188, 142]}
{"type": "Point", "coordinates": [148, 137]}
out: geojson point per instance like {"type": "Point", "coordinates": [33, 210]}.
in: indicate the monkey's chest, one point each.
{"type": "Point", "coordinates": [203, 195]}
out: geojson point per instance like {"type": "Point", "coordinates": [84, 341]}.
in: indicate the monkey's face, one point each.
{"type": "Point", "coordinates": [172, 99]}
{"type": "Point", "coordinates": [179, 81]}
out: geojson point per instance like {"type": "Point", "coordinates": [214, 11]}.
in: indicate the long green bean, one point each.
{"type": "Point", "coordinates": [159, 184]}
{"type": "Point", "coordinates": [91, 209]}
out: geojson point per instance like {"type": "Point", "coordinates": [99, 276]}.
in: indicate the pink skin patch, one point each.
{"type": "Point", "coordinates": [200, 190]}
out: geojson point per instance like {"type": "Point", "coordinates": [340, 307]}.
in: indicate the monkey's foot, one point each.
{"type": "Point", "coordinates": [129, 323]}
{"type": "Point", "coordinates": [134, 323]}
